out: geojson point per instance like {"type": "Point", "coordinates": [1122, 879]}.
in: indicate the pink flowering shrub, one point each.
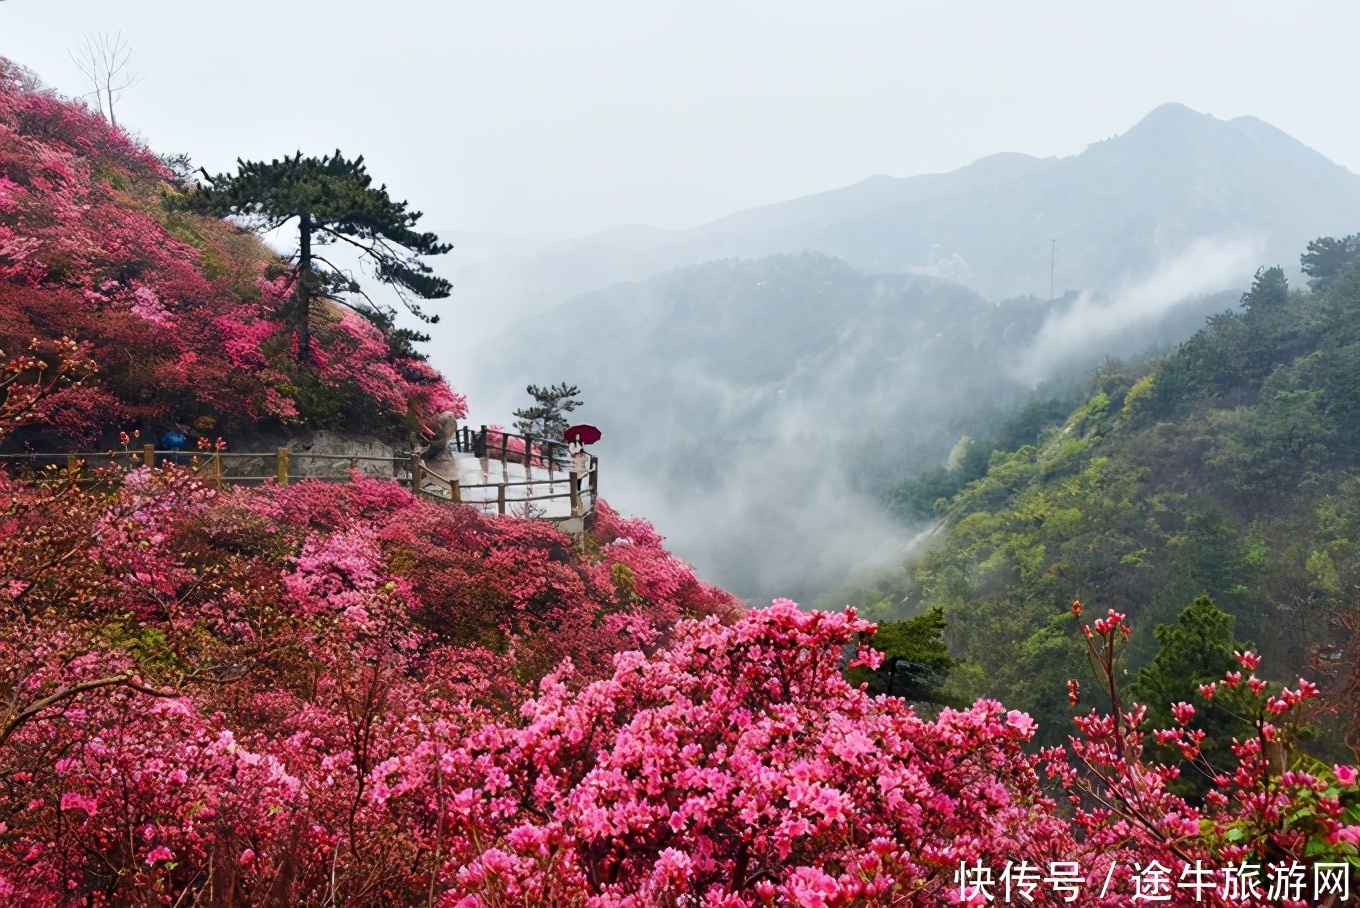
{"type": "Point", "coordinates": [327, 694]}
{"type": "Point", "coordinates": [176, 311]}
{"type": "Point", "coordinates": [737, 767]}
{"type": "Point", "coordinates": [44, 382]}
{"type": "Point", "coordinates": [1265, 811]}
{"type": "Point", "coordinates": [201, 679]}
{"type": "Point", "coordinates": [498, 440]}
{"type": "Point", "coordinates": [324, 695]}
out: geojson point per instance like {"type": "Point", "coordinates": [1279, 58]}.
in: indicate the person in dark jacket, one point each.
{"type": "Point", "coordinates": [174, 440]}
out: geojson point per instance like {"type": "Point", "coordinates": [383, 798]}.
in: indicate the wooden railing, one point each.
{"type": "Point", "coordinates": [543, 466]}
{"type": "Point", "coordinates": [216, 466]}
{"type": "Point", "coordinates": [542, 463]}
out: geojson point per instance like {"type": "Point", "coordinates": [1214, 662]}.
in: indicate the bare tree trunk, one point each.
{"type": "Point", "coordinates": [108, 92]}
{"type": "Point", "coordinates": [302, 292]}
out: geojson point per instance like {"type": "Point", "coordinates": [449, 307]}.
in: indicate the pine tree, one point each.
{"type": "Point", "coordinates": [916, 661]}
{"type": "Point", "coordinates": [1197, 649]}
{"type": "Point", "coordinates": [1325, 258]}
{"type": "Point", "coordinates": [333, 201]}
{"type": "Point", "coordinates": [545, 418]}
{"type": "Point", "coordinates": [1268, 290]}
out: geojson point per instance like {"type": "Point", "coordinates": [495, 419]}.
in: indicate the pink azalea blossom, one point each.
{"type": "Point", "coordinates": [159, 853]}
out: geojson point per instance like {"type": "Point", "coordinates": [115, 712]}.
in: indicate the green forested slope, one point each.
{"type": "Point", "coordinates": [1228, 467]}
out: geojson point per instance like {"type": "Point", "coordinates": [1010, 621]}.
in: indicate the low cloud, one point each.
{"type": "Point", "coordinates": [1211, 265]}
{"type": "Point", "coordinates": [781, 520]}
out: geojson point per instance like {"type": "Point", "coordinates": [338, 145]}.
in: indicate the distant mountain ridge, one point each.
{"type": "Point", "coordinates": [788, 360]}
{"type": "Point", "coordinates": [1115, 210]}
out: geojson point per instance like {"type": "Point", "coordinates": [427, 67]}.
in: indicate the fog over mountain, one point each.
{"type": "Point", "coordinates": [762, 379]}
{"type": "Point", "coordinates": [1113, 213]}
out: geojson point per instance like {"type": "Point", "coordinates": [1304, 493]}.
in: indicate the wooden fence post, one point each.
{"type": "Point", "coordinates": [73, 467]}
{"type": "Point", "coordinates": [574, 492]}
{"type": "Point", "coordinates": [416, 480]}
{"type": "Point", "coordinates": [217, 468]}
{"type": "Point", "coordinates": [283, 466]}
{"type": "Point", "coordinates": [149, 455]}
{"type": "Point", "coordinates": [500, 499]}
{"type": "Point", "coordinates": [455, 491]}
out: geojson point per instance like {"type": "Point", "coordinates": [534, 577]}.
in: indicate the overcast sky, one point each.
{"type": "Point", "coordinates": [562, 119]}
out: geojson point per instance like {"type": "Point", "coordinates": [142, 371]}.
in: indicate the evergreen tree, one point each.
{"type": "Point", "coordinates": [1325, 258]}
{"type": "Point", "coordinates": [546, 419]}
{"type": "Point", "coordinates": [1197, 649]}
{"type": "Point", "coordinates": [916, 662]}
{"type": "Point", "coordinates": [333, 201]}
{"type": "Point", "coordinates": [1269, 290]}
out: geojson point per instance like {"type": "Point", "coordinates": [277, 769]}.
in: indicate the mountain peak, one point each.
{"type": "Point", "coordinates": [1171, 119]}
{"type": "Point", "coordinates": [1174, 112]}
{"type": "Point", "coordinates": [1172, 130]}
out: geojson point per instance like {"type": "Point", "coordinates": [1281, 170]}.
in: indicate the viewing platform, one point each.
{"type": "Point", "coordinates": [498, 473]}
{"type": "Point", "coordinates": [504, 473]}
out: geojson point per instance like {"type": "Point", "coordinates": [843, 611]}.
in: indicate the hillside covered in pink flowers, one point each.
{"type": "Point", "coordinates": [178, 317]}
{"type": "Point", "coordinates": [343, 694]}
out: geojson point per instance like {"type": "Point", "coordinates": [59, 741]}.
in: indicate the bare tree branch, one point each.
{"type": "Point", "coordinates": [104, 60]}
{"type": "Point", "coordinates": [16, 720]}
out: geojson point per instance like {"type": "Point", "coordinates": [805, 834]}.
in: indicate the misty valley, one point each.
{"type": "Point", "coordinates": [1173, 427]}
{"type": "Point", "coordinates": [760, 406]}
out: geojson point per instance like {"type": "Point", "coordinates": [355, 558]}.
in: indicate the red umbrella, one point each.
{"type": "Point", "coordinates": [586, 435]}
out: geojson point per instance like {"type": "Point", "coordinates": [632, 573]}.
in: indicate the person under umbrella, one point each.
{"type": "Point", "coordinates": [577, 437]}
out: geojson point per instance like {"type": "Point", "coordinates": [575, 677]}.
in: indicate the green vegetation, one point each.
{"type": "Point", "coordinates": [916, 661]}
{"type": "Point", "coordinates": [546, 418]}
{"type": "Point", "coordinates": [931, 492]}
{"type": "Point", "coordinates": [1226, 468]}
{"type": "Point", "coordinates": [1196, 649]}
{"type": "Point", "coordinates": [1326, 257]}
